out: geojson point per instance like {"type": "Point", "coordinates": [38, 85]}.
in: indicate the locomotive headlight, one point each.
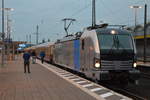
{"type": "Point", "coordinates": [134, 65]}
{"type": "Point", "coordinates": [97, 65]}
{"type": "Point", "coordinates": [113, 32]}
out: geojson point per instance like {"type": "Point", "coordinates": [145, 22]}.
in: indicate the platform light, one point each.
{"type": "Point", "coordinates": [135, 6]}
{"type": "Point", "coordinates": [7, 9]}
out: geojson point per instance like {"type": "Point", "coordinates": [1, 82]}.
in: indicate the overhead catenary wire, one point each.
{"type": "Point", "coordinates": [80, 10]}
{"type": "Point", "coordinates": [132, 21]}
{"type": "Point", "coordinates": [109, 15]}
{"type": "Point", "coordinates": [74, 14]}
{"type": "Point", "coordinates": [117, 12]}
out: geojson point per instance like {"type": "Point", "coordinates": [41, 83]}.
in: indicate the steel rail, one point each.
{"type": "Point", "coordinates": [145, 75]}
{"type": "Point", "coordinates": [130, 94]}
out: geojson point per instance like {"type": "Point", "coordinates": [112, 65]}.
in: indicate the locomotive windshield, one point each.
{"type": "Point", "coordinates": [115, 43]}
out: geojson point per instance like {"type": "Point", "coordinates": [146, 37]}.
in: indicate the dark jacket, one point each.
{"type": "Point", "coordinates": [26, 56]}
{"type": "Point", "coordinates": [42, 54]}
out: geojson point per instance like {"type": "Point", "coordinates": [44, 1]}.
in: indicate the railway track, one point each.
{"type": "Point", "coordinates": [145, 71]}
{"type": "Point", "coordinates": [119, 90]}
{"type": "Point", "coordinates": [145, 75]}
{"type": "Point", "coordinates": [129, 94]}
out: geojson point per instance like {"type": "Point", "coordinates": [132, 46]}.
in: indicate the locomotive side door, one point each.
{"type": "Point", "coordinates": [84, 56]}
{"type": "Point", "coordinates": [82, 51]}
{"type": "Point", "coordinates": [77, 55]}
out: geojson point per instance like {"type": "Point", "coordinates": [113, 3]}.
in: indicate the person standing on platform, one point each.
{"type": "Point", "coordinates": [26, 57]}
{"type": "Point", "coordinates": [42, 55]}
{"type": "Point", "coordinates": [33, 54]}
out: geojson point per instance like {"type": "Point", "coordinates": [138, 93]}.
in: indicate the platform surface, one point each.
{"type": "Point", "coordinates": [146, 64]}
{"type": "Point", "coordinates": [48, 82]}
{"type": "Point", "coordinates": [40, 84]}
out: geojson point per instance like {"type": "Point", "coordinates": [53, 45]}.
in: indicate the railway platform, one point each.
{"type": "Point", "coordinates": [46, 82]}
{"type": "Point", "coordinates": [141, 63]}
{"type": "Point", "coordinates": [144, 64]}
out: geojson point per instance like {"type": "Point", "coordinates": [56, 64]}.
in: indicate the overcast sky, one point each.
{"type": "Point", "coordinates": [48, 14]}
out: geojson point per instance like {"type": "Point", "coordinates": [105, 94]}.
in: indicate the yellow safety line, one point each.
{"type": "Point", "coordinates": [141, 37]}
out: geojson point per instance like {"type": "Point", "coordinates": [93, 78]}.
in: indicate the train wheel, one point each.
{"type": "Point", "coordinates": [96, 81]}
{"type": "Point", "coordinates": [123, 83]}
{"type": "Point", "coordinates": [136, 82]}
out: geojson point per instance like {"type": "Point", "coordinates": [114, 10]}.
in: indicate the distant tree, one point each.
{"type": "Point", "coordinates": [43, 41]}
{"type": "Point", "coordinates": [48, 40]}
{"type": "Point", "coordinates": [148, 24]}
{"type": "Point", "coordinates": [139, 28]}
{"type": "Point", "coordinates": [148, 27]}
{"type": "Point", "coordinates": [129, 29]}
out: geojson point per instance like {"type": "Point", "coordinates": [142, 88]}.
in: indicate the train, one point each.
{"type": "Point", "coordinates": [100, 53]}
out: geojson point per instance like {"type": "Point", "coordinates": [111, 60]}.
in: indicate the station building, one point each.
{"type": "Point", "coordinates": [138, 33]}
{"type": "Point", "coordinates": [11, 48]}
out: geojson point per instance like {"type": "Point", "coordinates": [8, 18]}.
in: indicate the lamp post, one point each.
{"type": "Point", "coordinates": [135, 12]}
{"type": "Point", "coordinates": [145, 26]}
{"type": "Point", "coordinates": [6, 35]}
{"type": "Point", "coordinates": [135, 17]}
{"type": "Point", "coordinates": [27, 39]}
{"type": "Point", "coordinates": [3, 34]}
{"type": "Point", "coordinates": [93, 13]}
{"type": "Point", "coordinates": [37, 34]}
{"type": "Point", "coordinates": [30, 38]}
{"type": "Point", "coordinates": [8, 21]}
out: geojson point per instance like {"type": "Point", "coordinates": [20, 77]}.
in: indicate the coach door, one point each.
{"type": "Point", "coordinates": [77, 55]}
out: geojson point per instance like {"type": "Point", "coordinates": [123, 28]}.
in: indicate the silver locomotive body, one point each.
{"type": "Point", "coordinates": [101, 54]}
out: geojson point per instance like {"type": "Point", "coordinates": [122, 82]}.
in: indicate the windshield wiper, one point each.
{"type": "Point", "coordinates": [115, 43]}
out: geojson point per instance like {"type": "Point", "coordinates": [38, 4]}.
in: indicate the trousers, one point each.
{"type": "Point", "coordinates": [26, 66]}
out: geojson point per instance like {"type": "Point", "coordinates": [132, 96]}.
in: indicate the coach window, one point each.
{"type": "Point", "coordinates": [83, 44]}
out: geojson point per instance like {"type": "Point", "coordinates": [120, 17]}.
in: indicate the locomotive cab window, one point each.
{"type": "Point", "coordinates": [116, 43]}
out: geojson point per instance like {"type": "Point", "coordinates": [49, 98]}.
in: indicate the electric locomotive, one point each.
{"type": "Point", "coordinates": [100, 53]}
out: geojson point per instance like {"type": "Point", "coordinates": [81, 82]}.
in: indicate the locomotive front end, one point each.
{"type": "Point", "coordinates": [117, 55]}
